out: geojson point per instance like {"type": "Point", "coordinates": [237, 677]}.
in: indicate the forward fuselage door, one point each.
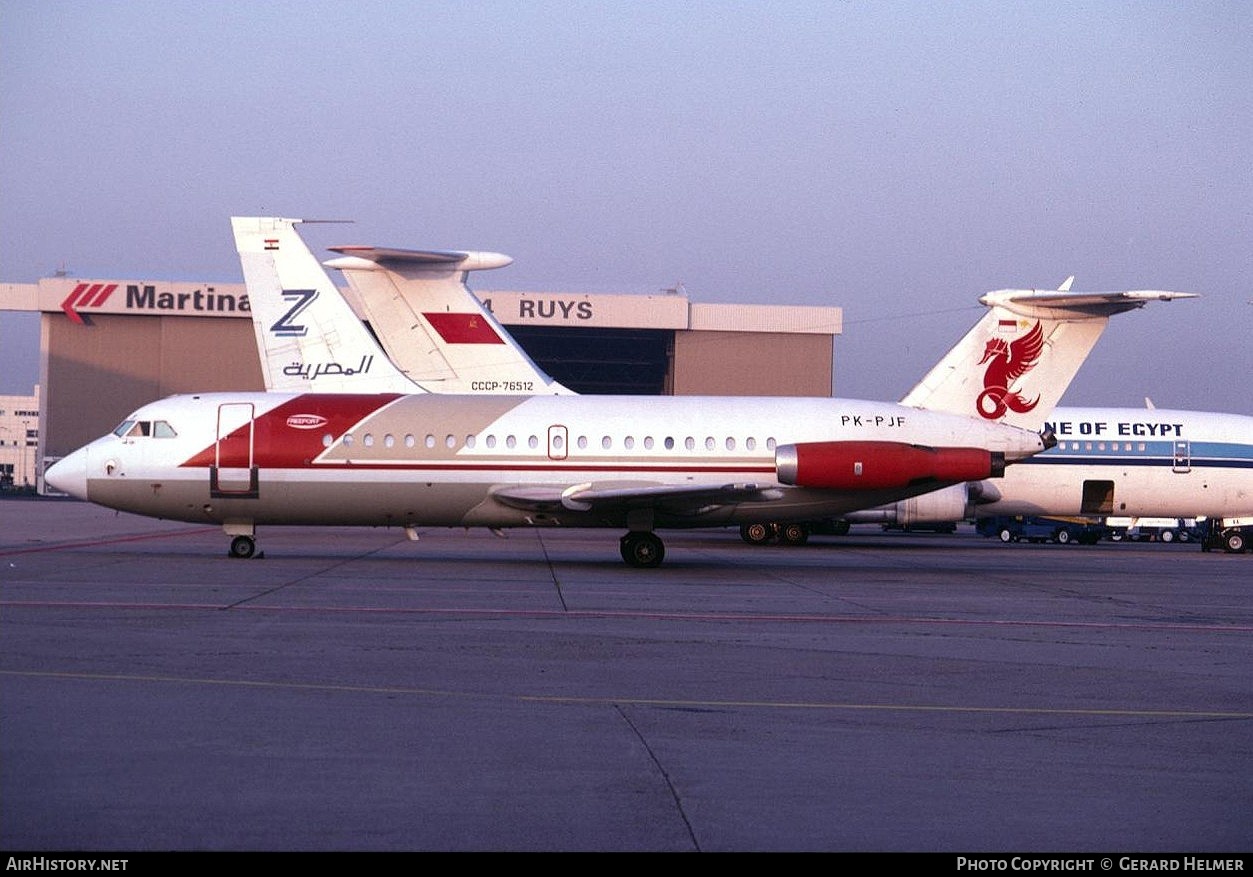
{"type": "Point", "coordinates": [234, 473]}
{"type": "Point", "coordinates": [1183, 456]}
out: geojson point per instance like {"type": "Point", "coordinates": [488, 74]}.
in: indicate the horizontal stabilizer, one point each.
{"type": "Point", "coordinates": [439, 259]}
{"type": "Point", "coordinates": [1034, 303]}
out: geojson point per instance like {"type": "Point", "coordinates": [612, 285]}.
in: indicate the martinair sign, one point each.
{"type": "Point", "coordinates": [80, 299]}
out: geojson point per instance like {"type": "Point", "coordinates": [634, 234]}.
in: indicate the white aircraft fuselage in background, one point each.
{"type": "Point", "coordinates": [1147, 462]}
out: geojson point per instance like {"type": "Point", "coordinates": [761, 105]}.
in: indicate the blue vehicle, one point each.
{"type": "Point", "coordinates": [1021, 528]}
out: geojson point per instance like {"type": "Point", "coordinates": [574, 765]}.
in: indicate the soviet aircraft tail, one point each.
{"type": "Point", "coordinates": [433, 327]}
{"type": "Point", "coordinates": [308, 336]}
{"type": "Point", "coordinates": [1017, 361]}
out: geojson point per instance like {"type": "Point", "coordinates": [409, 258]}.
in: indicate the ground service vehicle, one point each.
{"type": "Point", "coordinates": [1229, 534]}
{"type": "Point", "coordinates": [1023, 528]}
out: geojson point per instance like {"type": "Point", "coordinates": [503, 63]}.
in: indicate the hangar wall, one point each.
{"type": "Point", "coordinates": [108, 347]}
{"type": "Point", "coordinates": [97, 373]}
{"type": "Point", "coordinates": [751, 364]}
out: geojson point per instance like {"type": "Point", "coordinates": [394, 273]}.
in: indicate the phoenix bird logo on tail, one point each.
{"type": "Point", "coordinates": [1008, 363]}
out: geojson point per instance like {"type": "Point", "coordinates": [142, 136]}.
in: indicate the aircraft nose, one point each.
{"type": "Point", "coordinates": [69, 474]}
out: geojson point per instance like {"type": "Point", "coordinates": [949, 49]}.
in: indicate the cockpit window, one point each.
{"type": "Point", "coordinates": [145, 428]}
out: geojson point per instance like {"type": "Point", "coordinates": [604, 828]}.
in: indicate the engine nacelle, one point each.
{"type": "Point", "coordinates": [882, 465]}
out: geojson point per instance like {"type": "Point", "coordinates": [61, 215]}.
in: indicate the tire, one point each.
{"type": "Point", "coordinates": [756, 533]}
{"type": "Point", "coordinates": [1167, 536]}
{"type": "Point", "coordinates": [1234, 542]}
{"type": "Point", "coordinates": [794, 534]}
{"type": "Point", "coordinates": [243, 547]}
{"type": "Point", "coordinates": [1062, 537]}
{"type": "Point", "coordinates": [1005, 535]}
{"type": "Point", "coordinates": [642, 550]}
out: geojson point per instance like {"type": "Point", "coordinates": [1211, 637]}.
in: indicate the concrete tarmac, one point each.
{"type": "Point", "coordinates": [352, 690]}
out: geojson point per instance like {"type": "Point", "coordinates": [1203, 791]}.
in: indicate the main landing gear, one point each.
{"type": "Point", "coordinates": [243, 547]}
{"type": "Point", "coordinates": [787, 534]}
{"type": "Point", "coordinates": [642, 549]}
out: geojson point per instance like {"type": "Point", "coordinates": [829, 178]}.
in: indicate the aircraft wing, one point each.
{"type": "Point", "coordinates": [670, 497]}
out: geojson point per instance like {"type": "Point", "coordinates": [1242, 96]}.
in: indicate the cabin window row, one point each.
{"type": "Point", "coordinates": [1100, 446]}
{"type": "Point", "coordinates": [509, 442]}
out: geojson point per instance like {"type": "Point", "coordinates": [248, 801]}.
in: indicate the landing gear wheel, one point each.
{"type": "Point", "coordinates": [756, 533]}
{"type": "Point", "coordinates": [243, 547]}
{"type": "Point", "coordinates": [642, 550]}
{"type": "Point", "coordinates": [794, 534]}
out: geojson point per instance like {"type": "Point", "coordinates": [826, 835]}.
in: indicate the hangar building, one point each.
{"type": "Point", "coordinates": [109, 346]}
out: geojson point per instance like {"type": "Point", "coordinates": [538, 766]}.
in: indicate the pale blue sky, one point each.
{"type": "Point", "coordinates": [896, 159]}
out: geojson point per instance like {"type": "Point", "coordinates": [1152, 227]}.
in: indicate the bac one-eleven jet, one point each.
{"type": "Point", "coordinates": [641, 464]}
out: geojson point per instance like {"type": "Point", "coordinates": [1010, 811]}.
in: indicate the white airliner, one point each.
{"type": "Point", "coordinates": [414, 459]}
{"type": "Point", "coordinates": [427, 332]}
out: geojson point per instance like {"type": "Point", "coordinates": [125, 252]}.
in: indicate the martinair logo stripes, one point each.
{"type": "Point", "coordinates": [86, 295]}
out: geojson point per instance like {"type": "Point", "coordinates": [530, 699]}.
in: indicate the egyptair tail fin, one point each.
{"type": "Point", "coordinates": [433, 327]}
{"type": "Point", "coordinates": [1018, 360]}
{"type": "Point", "coordinates": [308, 336]}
